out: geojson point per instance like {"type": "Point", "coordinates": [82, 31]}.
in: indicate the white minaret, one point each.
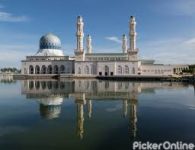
{"type": "Point", "coordinates": [80, 34]}
{"type": "Point", "coordinates": [89, 45]}
{"type": "Point", "coordinates": [132, 33]}
{"type": "Point", "coordinates": [132, 40]}
{"type": "Point", "coordinates": [124, 43]}
{"type": "Point", "coordinates": [79, 51]}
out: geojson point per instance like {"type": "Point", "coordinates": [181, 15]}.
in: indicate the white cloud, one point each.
{"type": "Point", "coordinates": [170, 51]}
{"type": "Point", "coordinates": [185, 7]}
{"type": "Point", "coordinates": [177, 7]}
{"type": "Point", "coordinates": [190, 41]}
{"type": "Point", "coordinates": [114, 39]}
{"type": "Point", "coordinates": [8, 17]}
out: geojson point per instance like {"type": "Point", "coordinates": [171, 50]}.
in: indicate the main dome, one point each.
{"type": "Point", "coordinates": [50, 41]}
{"type": "Point", "coordinates": [49, 45]}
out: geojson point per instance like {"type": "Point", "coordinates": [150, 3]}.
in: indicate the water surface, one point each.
{"type": "Point", "coordinates": [93, 115]}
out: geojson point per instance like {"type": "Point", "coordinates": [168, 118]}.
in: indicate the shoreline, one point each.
{"type": "Point", "coordinates": [190, 79]}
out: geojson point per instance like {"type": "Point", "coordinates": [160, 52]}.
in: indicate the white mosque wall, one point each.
{"type": "Point", "coordinates": [157, 70]}
{"type": "Point", "coordinates": [106, 68]}
{"type": "Point", "coordinates": [85, 68]}
{"type": "Point", "coordinates": [47, 67]}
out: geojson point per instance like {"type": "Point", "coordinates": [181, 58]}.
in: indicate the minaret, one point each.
{"type": "Point", "coordinates": [89, 45]}
{"type": "Point", "coordinates": [124, 43]}
{"type": "Point", "coordinates": [79, 51]}
{"type": "Point", "coordinates": [132, 33]}
{"type": "Point", "coordinates": [132, 39]}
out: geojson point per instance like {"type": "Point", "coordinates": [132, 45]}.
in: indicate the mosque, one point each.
{"type": "Point", "coordinates": [50, 60]}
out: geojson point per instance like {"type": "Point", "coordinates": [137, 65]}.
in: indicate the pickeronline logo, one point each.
{"type": "Point", "coordinates": [137, 145]}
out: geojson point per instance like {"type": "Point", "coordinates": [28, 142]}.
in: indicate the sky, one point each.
{"type": "Point", "coordinates": [165, 28]}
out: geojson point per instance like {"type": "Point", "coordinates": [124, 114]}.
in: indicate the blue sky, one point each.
{"type": "Point", "coordinates": [166, 28]}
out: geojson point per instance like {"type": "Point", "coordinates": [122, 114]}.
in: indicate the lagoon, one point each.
{"type": "Point", "coordinates": [94, 114]}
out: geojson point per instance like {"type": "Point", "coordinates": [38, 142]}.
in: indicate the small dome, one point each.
{"type": "Point", "coordinates": [50, 41]}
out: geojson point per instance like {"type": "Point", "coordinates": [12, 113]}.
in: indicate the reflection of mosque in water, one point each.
{"type": "Point", "coordinates": [51, 94]}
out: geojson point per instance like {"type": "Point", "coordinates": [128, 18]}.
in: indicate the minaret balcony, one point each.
{"type": "Point", "coordinates": [135, 51]}
{"type": "Point", "coordinates": [78, 52]}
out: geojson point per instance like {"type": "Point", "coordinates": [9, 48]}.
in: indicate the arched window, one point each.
{"type": "Point", "coordinates": [133, 70]}
{"type": "Point", "coordinates": [31, 70]}
{"type": "Point", "coordinates": [43, 69]}
{"type": "Point", "coordinates": [37, 70]}
{"type": "Point", "coordinates": [106, 70]}
{"type": "Point", "coordinates": [62, 69]}
{"type": "Point", "coordinates": [55, 69]}
{"type": "Point", "coordinates": [126, 70]}
{"type": "Point", "coordinates": [86, 69]}
{"type": "Point", "coordinates": [119, 70]}
{"type": "Point", "coordinates": [79, 70]}
{"type": "Point", "coordinates": [49, 69]}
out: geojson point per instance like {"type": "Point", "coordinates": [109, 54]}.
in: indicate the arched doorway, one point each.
{"type": "Point", "coordinates": [43, 69]}
{"type": "Point", "coordinates": [49, 69]}
{"type": "Point", "coordinates": [106, 70]}
{"type": "Point", "coordinates": [37, 70]}
{"type": "Point", "coordinates": [119, 70]}
{"type": "Point", "coordinates": [62, 69]}
{"type": "Point", "coordinates": [56, 69]}
{"type": "Point", "coordinates": [86, 69]}
{"type": "Point", "coordinates": [31, 70]}
{"type": "Point", "coordinates": [126, 70]}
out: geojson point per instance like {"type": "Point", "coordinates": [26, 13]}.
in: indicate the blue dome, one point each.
{"type": "Point", "coordinates": [50, 41]}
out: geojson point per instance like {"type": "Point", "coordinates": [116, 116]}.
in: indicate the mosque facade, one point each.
{"type": "Point", "coordinates": [51, 61]}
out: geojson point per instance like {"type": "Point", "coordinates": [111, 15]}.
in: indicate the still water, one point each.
{"type": "Point", "coordinates": [93, 114]}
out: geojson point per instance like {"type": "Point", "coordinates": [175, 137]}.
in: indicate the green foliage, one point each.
{"type": "Point", "coordinates": [9, 69]}
{"type": "Point", "coordinates": [190, 70]}
{"type": "Point", "coordinates": [187, 70]}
